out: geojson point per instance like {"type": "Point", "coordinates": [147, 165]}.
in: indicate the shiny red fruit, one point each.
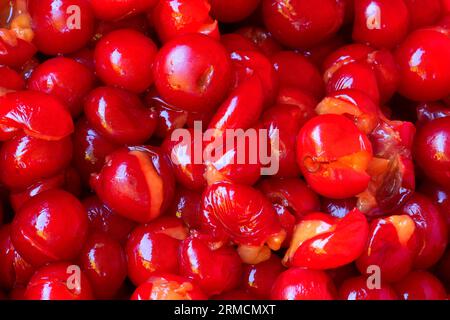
{"type": "Point", "coordinates": [302, 23]}
{"type": "Point", "coordinates": [153, 248]}
{"type": "Point", "coordinates": [359, 288]}
{"type": "Point", "coordinates": [59, 281]}
{"type": "Point", "coordinates": [103, 261]}
{"type": "Point", "coordinates": [37, 114]}
{"type": "Point", "coordinates": [261, 38]}
{"type": "Point", "coordinates": [136, 182]}
{"type": "Point", "coordinates": [65, 79]}
{"type": "Point", "coordinates": [61, 26]}
{"type": "Point", "coordinates": [392, 246]}
{"type": "Point", "coordinates": [120, 116]}
{"type": "Point", "coordinates": [26, 160]}
{"type": "Point", "coordinates": [104, 220]}
{"type": "Point", "coordinates": [303, 284]}
{"type": "Point", "coordinates": [215, 271]}
{"type": "Point", "coordinates": [380, 23]}
{"type": "Point", "coordinates": [187, 207]}
{"type": "Point", "coordinates": [431, 145]}
{"type": "Point", "coordinates": [168, 287]}
{"type": "Point", "coordinates": [50, 227]}
{"type": "Point", "coordinates": [322, 242]}
{"type": "Point", "coordinates": [229, 11]}
{"type": "Point", "coordinates": [193, 73]}
{"type": "Point", "coordinates": [424, 13]}
{"type": "Point", "coordinates": [173, 19]}
{"type": "Point", "coordinates": [119, 63]}
{"type": "Point", "coordinates": [119, 9]}
{"type": "Point", "coordinates": [424, 67]}
{"type": "Point", "coordinates": [334, 155]}
{"type": "Point", "coordinates": [10, 79]}
{"type": "Point", "coordinates": [420, 285]}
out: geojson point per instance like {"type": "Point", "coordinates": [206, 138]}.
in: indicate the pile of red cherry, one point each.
{"type": "Point", "coordinates": [95, 207]}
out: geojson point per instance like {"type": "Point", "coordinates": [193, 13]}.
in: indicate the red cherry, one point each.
{"type": "Point", "coordinates": [338, 208]}
{"type": "Point", "coordinates": [173, 19]}
{"type": "Point", "coordinates": [420, 285]}
{"type": "Point", "coordinates": [431, 229]}
{"type": "Point", "coordinates": [424, 67]}
{"type": "Point", "coordinates": [119, 116]}
{"type": "Point", "coordinates": [50, 227]}
{"type": "Point", "coordinates": [358, 289]}
{"type": "Point", "coordinates": [301, 23]}
{"type": "Point", "coordinates": [201, 76]}
{"type": "Point", "coordinates": [118, 9]}
{"type": "Point", "coordinates": [423, 13]}
{"type": "Point", "coordinates": [240, 213]}
{"type": "Point", "coordinates": [103, 261]}
{"type": "Point", "coordinates": [380, 23]}
{"type": "Point", "coordinates": [54, 282]}
{"type": "Point", "coordinates": [90, 149]}
{"type": "Point", "coordinates": [104, 220]}
{"type": "Point", "coordinates": [429, 111]}
{"type": "Point", "coordinates": [136, 182]}
{"type": "Point", "coordinates": [61, 26]}
{"type": "Point", "coordinates": [333, 155]}
{"type": "Point", "coordinates": [258, 279]}
{"type": "Point", "coordinates": [65, 79]}
{"type": "Point", "coordinates": [233, 10]}
{"type": "Point", "coordinates": [430, 147]}
{"type": "Point", "coordinates": [119, 63]}
{"type": "Point", "coordinates": [187, 207]}
{"type": "Point", "coordinates": [16, 54]}
{"type": "Point", "coordinates": [15, 271]}
{"type": "Point", "coordinates": [322, 242]}
{"type": "Point", "coordinates": [443, 269]}
{"type": "Point", "coordinates": [392, 246]}
{"type": "Point", "coordinates": [26, 160]}
{"type": "Point", "coordinates": [304, 101]}
{"type": "Point", "coordinates": [261, 38]}
{"type": "Point", "coordinates": [215, 271]}
{"type": "Point", "coordinates": [303, 284]}
{"type": "Point", "coordinates": [168, 287]}
{"type": "Point", "coordinates": [10, 79]}
{"type": "Point", "coordinates": [237, 42]}
{"type": "Point", "coordinates": [296, 71]}
{"type": "Point", "coordinates": [37, 114]}
{"type": "Point", "coordinates": [154, 249]}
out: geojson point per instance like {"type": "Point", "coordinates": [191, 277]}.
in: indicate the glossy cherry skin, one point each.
{"type": "Point", "coordinates": [392, 246]}
{"type": "Point", "coordinates": [119, 9]}
{"type": "Point", "coordinates": [431, 229]}
{"type": "Point", "coordinates": [15, 271]}
{"type": "Point", "coordinates": [440, 196]}
{"type": "Point", "coordinates": [232, 11]}
{"type": "Point", "coordinates": [173, 19]}
{"type": "Point", "coordinates": [187, 207]}
{"type": "Point", "coordinates": [238, 212]}
{"type": "Point", "coordinates": [136, 182]}
{"type": "Point", "coordinates": [429, 111]}
{"type": "Point", "coordinates": [16, 55]}
{"type": "Point", "coordinates": [424, 68]}
{"type": "Point", "coordinates": [333, 155]}
{"type": "Point", "coordinates": [215, 271]}
{"type": "Point", "coordinates": [430, 147]}
{"type": "Point", "coordinates": [261, 38]}
{"type": "Point", "coordinates": [380, 23]}
{"type": "Point", "coordinates": [58, 27]}
{"type": "Point", "coordinates": [35, 113]}
{"type": "Point", "coordinates": [118, 63]}
{"type": "Point", "coordinates": [357, 289]}
{"type": "Point", "coordinates": [193, 73]}
{"type": "Point", "coordinates": [68, 180]}
{"type": "Point", "coordinates": [443, 269]}
{"type": "Point", "coordinates": [322, 242]}
{"type": "Point", "coordinates": [65, 79]}
{"type": "Point", "coordinates": [420, 285]}
{"type": "Point", "coordinates": [51, 283]}
{"type": "Point", "coordinates": [423, 13]}
{"type": "Point", "coordinates": [258, 279]}
{"type": "Point", "coordinates": [303, 284]}
{"type": "Point", "coordinates": [50, 227]}
{"type": "Point", "coordinates": [338, 208]}
{"type": "Point", "coordinates": [296, 71]}
{"type": "Point", "coordinates": [103, 261]}
{"type": "Point", "coordinates": [119, 115]}
{"type": "Point", "coordinates": [300, 23]}
{"type": "Point", "coordinates": [153, 249]}
{"type": "Point", "coordinates": [237, 42]}
{"type": "Point", "coordinates": [10, 79]}
{"type": "Point", "coordinates": [168, 287]}
{"type": "Point", "coordinates": [104, 220]}
{"type": "Point", "coordinates": [26, 160]}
